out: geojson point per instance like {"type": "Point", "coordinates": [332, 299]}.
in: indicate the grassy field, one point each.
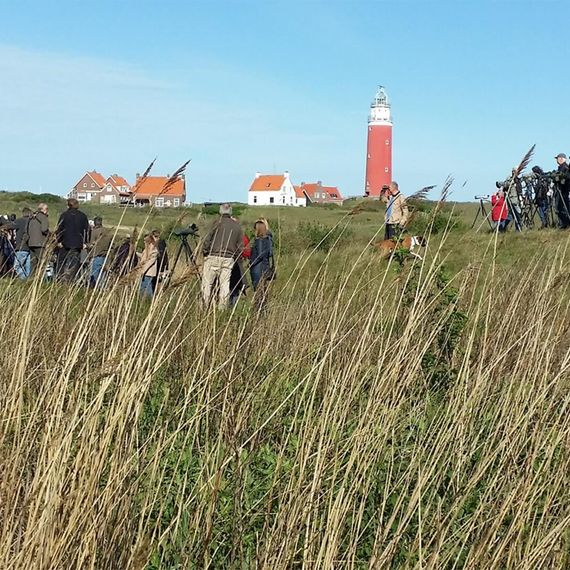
{"type": "Point", "coordinates": [374, 415]}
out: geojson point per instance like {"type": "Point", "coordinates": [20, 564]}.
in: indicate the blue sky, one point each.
{"type": "Point", "coordinates": [241, 86]}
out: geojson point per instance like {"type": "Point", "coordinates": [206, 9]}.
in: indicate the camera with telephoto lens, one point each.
{"type": "Point", "coordinates": [191, 230]}
{"type": "Point", "coordinates": [482, 197]}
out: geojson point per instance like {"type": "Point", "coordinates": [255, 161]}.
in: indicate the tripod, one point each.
{"type": "Point", "coordinates": [186, 249]}
{"type": "Point", "coordinates": [481, 211]}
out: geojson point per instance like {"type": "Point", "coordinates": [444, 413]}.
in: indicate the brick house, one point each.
{"type": "Point", "coordinates": [318, 194]}
{"type": "Point", "coordinates": [116, 191]}
{"type": "Point", "coordinates": [151, 191]}
{"type": "Point", "coordinates": [89, 187]}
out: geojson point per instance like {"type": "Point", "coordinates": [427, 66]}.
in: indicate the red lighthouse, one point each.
{"type": "Point", "coordinates": [379, 147]}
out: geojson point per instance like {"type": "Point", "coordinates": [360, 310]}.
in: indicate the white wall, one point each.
{"type": "Point", "coordinates": [283, 197]}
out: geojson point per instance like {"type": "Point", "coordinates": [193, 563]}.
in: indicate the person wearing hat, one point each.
{"type": "Point", "coordinates": [99, 246]}
{"type": "Point", "coordinates": [563, 191]}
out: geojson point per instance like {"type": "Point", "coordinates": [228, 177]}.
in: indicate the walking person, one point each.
{"type": "Point", "coordinates": [38, 233]}
{"type": "Point", "coordinates": [563, 192]}
{"type": "Point", "coordinates": [99, 246]}
{"type": "Point", "coordinates": [22, 264]}
{"type": "Point", "coordinates": [148, 266]}
{"type": "Point", "coordinates": [72, 235]}
{"type": "Point", "coordinates": [222, 247]}
{"type": "Point", "coordinates": [261, 265]}
{"type": "Point", "coordinates": [397, 213]}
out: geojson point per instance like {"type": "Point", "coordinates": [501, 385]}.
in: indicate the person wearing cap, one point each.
{"type": "Point", "coordinates": [99, 246]}
{"type": "Point", "coordinates": [562, 200]}
{"type": "Point", "coordinates": [222, 247]}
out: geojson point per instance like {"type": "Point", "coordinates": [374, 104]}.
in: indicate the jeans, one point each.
{"type": "Point", "coordinates": [542, 209]}
{"type": "Point", "coordinates": [23, 264]}
{"type": "Point", "coordinates": [97, 275]}
{"type": "Point", "coordinates": [147, 286]}
{"type": "Point", "coordinates": [217, 269]}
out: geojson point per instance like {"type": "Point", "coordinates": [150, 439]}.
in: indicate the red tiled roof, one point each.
{"type": "Point", "coordinates": [272, 182]}
{"type": "Point", "coordinates": [299, 193]}
{"type": "Point", "coordinates": [333, 192]}
{"type": "Point", "coordinates": [98, 178]}
{"type": "Point", "coordinates": [117, 180]}
{"type": "Point", "coordinates": [154, 186]}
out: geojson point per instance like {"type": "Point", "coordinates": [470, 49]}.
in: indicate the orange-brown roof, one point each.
{"type": "Point", "coordinates": [117, 180]}
{"type": "Point", "coordinates": [333, 192]}
{"type": "Point", "coordinates": [272, 182]}
{"type": "Point", "coordinates": [154, 186]}
{"type": "Point", "coordinates": [299, 193]}
{"type": "Point", "coordinates": [98, 178]}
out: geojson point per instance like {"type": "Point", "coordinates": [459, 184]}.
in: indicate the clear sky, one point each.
{"type": "Point", "coordinates": [241, 86]}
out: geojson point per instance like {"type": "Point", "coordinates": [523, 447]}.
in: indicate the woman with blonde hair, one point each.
{"type": "Point", "coordinates": [148, 265]}
{"type": "Point", "coordinates": [261, 266]}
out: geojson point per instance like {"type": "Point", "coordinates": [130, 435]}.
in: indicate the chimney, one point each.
{"type": "Point", "coordinates": [138, 175]}
{"type": "Point", "coordinates": [257, 175]}
{"type": "Point", "coordinates": [286, 174]}
{"type": "Point", "coordinates": [302, 184]}
{"type": "Point", "coordinates": [319, 182]}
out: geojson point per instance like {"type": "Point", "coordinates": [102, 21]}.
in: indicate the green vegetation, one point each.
{"type": "Point", "coordinates": [374, 415]}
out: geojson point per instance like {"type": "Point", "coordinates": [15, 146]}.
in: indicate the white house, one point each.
{"type": "Point", "coordinates": [275, 190]}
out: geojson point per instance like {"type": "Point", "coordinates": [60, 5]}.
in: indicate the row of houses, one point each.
{"type": "Point", "coordinates": [265, 190]}
{"type": "Point", "coordinates": [279, 190]}
{"type": "Point", "coordinates": [94, 187]}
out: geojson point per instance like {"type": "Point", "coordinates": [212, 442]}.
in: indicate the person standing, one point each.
{"type": "Point", "coordinates": [261, 265]}
{"type": "Point", "coordinates": [22, 264]}
{"type": "Point", "coordinates": [541, 195]}
{"type": "Point", "coordinates": [397, 213]}
{"type": "Point", "coordinates": [72, 234]}
{"type": "Point", "coordinates": [238, 283]}
{"type": "Point", "coordinates": [38, 232]}
{"type": "Point", "coordinates": [162, 259]}
{"type": "Point", "coordinates": [222, 247]}
{"type": "Point", "coordinates": [499, 213]}
{"type": "Point", "coordinates": [148, 265]}
{"type": "Point", "coordinates": [99, 246]}
{"type": "Point", "coordinates": [563, 192]}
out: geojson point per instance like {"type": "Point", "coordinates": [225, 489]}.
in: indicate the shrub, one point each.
{"type": "Point", "coordinates": [320, 236]}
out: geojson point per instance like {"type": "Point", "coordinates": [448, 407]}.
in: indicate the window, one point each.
{"type": "Point", "coordinates": [387, 141]}
{"type": "Point", "coordinates": [85, 185]}
{"type": "Point", "coordinates": [283, 199]}
{"type": "Point", "coordinates": [176, 202]}
{"type": "Point", "coordinates": [272, 200]}
{"type": "Point", "coordinates": [92, 184]}
{"type": "Point", "coordinates": [159, 202]}
{"type": "Point", "coordinates": [386, 169]}
{"type": "Point", "coordinates": [255, 199]}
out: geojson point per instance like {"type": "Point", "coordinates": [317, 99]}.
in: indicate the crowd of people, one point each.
{"type": "Point", "coordinates": [545, 193]}
{"type": "Point", "coordinates": [79, 250]}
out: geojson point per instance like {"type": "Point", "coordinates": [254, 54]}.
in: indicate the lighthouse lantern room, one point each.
{"type": "Point", "coordinates": [379, 147]}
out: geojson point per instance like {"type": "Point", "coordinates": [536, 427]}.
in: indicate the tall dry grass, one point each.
{"type": "Point", "coordinates": [358, 421]}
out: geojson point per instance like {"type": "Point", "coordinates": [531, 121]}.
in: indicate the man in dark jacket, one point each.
{"type": "Point", "coordinates": [563, 192]}
{"type": "Point", "coordinates": [99, 246]}
{"type": "Point", "coordinates": [38, 232]}
{"type": "Point", "coordinates": [22, 264]}
{"type": "Point", "coordinates": [222, 247]}
{"type": "Point", "coordinates": [72, 233]}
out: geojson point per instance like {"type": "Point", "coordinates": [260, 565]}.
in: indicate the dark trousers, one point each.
{"type": "Point", "coordinates": [35, 258]}
{"type": "Point", "coordinates": [68, 263]}
{"type": "Point", "coordinates": [562, 204]}
{"type": "Point", "coordinates": [390, 231]}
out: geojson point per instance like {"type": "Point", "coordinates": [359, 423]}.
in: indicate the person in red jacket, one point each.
{"type": "Point", "coordinates": [499, 213]}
